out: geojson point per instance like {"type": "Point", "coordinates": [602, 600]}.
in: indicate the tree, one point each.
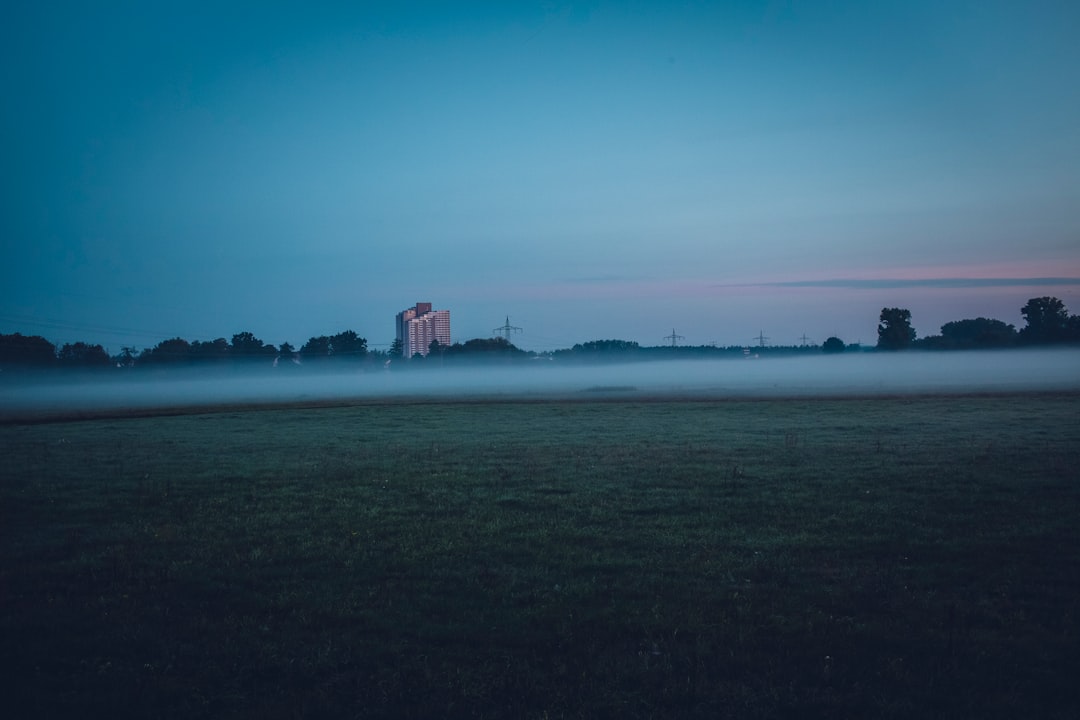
{"type": "Point", "coordinates": [479, 350]}
{"type": "Point", "coordinates": [833, 345]}
{"type": "Point", "coordinates": [167, 352]}
{"type": "Point", "coordinates": [26, 351]}
{"type": "Point", "coordinates": [484, 346]}
{"type": "Point", "coordinates": [977, 333]}
{"type": "Point", "coordinates": [82, 355]}
{"type": "Point", "coordinates": [126, 358]}
{"type": "Point", "coordinates": [316, 348]}
{"type": "Point", "coordinates": [487, 345]}
{"type": "Point", "coordinates": [286, 354]}
{"type": "Point", "coordinates": [607, 346]}
{"type": "Point", "coordinates": [245, 345]}
{"type": "Point", "coordinates": [1072, 330]}
{"type": "Point", "coordinates": [1047, 321]}
{"type": "Point", "coordinates": [397, 349]}
{"type": "Point", "coordinates": [894, 329]}
{"type": "Point", "coordinates": [347, 345]}
{"type": "Point", "coordinates": [211, 351]}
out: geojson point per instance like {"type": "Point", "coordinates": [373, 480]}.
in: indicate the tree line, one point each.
{"type": "Point", "coordinates": [34, 351]}
{"type": "Point", "coordinates": [1048, 322]}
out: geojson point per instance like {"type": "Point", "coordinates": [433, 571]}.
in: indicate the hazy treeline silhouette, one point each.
{"type": "Point", "coordinates": [1047, 323]}
{"type": "Point", "coordinates": [18, 350]}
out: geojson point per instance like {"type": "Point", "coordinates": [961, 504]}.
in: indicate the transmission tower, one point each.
{"type": "Point", "coordinates": [506, 329]}
{"type": "Point", "coordinates": [674, 338]}
{"type": "Point", "coordinates": [804, 339]}
{"type": "Point", "coordinates": [761, 338]}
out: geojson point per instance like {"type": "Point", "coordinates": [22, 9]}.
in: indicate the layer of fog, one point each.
{"type": "Point", "coordinates": [852, 374]}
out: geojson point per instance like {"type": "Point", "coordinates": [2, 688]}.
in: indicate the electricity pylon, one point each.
{"type": "Point", "coordinates": [506, 329]}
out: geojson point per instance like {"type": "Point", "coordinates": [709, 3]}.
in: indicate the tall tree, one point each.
{"type": "Point", "coordinates": [1047, 321]}
{"type": "Point", "coordinates": [894, 329]}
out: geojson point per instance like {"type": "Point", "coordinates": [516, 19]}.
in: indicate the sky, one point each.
{"type": "Point", "coordinates": [588, 170]}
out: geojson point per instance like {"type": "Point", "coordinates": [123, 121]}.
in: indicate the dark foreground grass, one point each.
{"type": "Point", "coordinates": [899, 558]}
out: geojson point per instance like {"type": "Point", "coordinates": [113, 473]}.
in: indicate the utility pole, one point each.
{"type": "Point", "coordinates": [674, 338]}
{"type": "Point", "coordinates": [506, 329]}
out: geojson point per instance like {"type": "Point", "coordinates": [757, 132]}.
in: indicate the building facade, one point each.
{"type": "Point", "coordinates": [418, 326]}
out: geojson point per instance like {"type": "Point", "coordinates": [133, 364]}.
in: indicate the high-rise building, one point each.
{"type": "Point", "coordinates": [418, 326]}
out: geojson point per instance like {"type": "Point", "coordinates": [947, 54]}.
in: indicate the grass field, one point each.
{"type": "Point", "coordinates": [884, 557]}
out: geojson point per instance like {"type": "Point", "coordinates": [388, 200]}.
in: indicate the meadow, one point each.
{"type": "Point", "coordinates": [892, 557]}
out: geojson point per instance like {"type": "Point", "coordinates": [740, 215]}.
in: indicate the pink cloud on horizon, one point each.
{"type": "Point", "coordinates": [1032, 269]}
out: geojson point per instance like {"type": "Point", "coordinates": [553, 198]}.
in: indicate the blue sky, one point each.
{"type": "Point", "coordinates": [592, 170]}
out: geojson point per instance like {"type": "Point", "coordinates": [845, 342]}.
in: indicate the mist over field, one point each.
{"type": "Point", "coordinates": [855, 374]}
